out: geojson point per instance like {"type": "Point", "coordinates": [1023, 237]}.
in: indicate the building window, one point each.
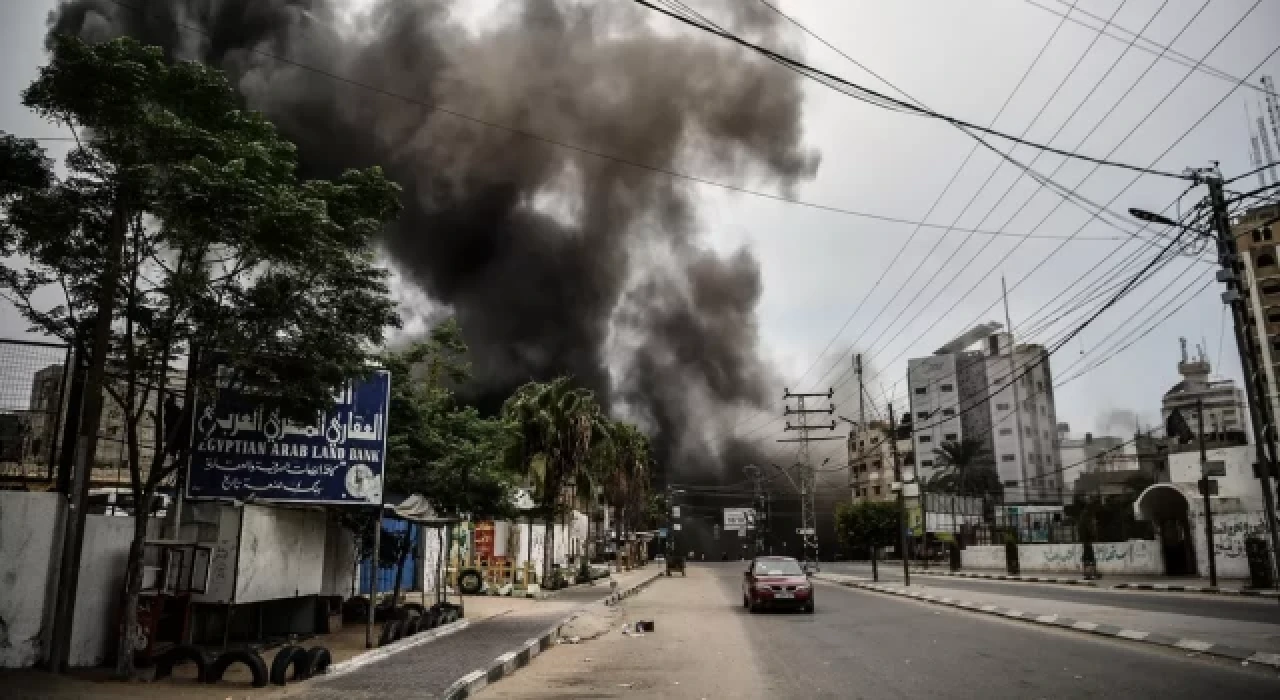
{"type": "Point", "coordinates": [1042, 411]}
{"type": "Point", "coordinates": [1007, 458]}
{"type": "Point", "coordinates": [1002, 407]}
{"type": "Point", "coordinates": [948, 412]}
{"type": "Point", "coordinates": [925, 438]}
{"type": "Point", "coordinates": [1271, 287]}
{"type": "Point", "coordinates": [950, 437]}
{"type": "Point", "coordinates": [1011, 483]}
{"type": "Point", "coordinates": [1266, 260]}
{"type": "Point", "coordinates": [920, 390]}
{"type": "Point", "coordinates": [947, 387]}
{"type": "Point", "coordinates": [876, 490]}
{"type": "Point", "coordinates": [922, 415]}
{"type": "Point", "coordinates": [1006, 431]}
{"type": "Point", "coordinates": [926, 462]}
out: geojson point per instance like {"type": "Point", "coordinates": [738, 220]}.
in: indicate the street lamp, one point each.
{"type": "Point", "coordinates": [1152, 217]}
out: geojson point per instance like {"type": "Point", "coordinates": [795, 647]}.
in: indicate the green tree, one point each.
{"type": "Point", "coordinates": [627, 486]}
{"type": "Point", "coordinates": [871, 524]}
{"type": "Point", "coordinates": [437, 447]}
{"type": "Point", "coordinates": [556, 424]}
{"type": "Point", "coordinates": [181, 224]}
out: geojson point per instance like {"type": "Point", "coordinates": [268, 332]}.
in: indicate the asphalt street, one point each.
{"type": "Point", "coordinates": [861, 644]}
{"type": "Point", "coordinates": [1219, 607]}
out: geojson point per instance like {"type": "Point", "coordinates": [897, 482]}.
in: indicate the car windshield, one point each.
{"type": "Point", "coordinates": [778, 567]}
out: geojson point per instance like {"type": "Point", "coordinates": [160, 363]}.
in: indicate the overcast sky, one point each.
{"type": "Point", "coordinates": [964, 59]}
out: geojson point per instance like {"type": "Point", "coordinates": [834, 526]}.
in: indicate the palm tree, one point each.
{"type": "Point", "coordinates": [964, 463]}
{"type": "Point", "coordinates": [622, 482]}
{"type": "Point", "coordinates": [557, 424]}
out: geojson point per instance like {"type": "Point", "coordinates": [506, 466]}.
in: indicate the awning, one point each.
{"type": "Point", "coordinates": [416, 509]}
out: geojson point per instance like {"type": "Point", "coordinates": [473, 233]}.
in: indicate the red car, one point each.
{"type": "Point", "coordinates": [776, 582]}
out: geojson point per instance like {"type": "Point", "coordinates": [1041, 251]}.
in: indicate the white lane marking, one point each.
{"type": "Point", "coordinates": [1133, 634]}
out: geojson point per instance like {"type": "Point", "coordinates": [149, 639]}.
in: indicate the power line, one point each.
{"type": "Point", "coordinates": [1096, 86]}
{"type": "Point", "coordinates": [1152, 46]}
{"type": "Point", "coordinates": [877, 96]}
{"type": "Point", "coordinates": [1131, 182]}
{"type": "Point", "coordinates": [947, 188]}
{"type": "Point", "coordinates": [1129, 135]}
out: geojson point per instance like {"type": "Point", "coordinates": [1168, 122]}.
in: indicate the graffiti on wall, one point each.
{"type": "Point", "coordinates": [1230, 532]}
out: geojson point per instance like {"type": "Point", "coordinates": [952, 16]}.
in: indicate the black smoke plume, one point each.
{"type": "Point", "coordinates": [554, 260]}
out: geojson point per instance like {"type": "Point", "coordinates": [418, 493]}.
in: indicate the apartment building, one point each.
{"type": "Point", "coordinates": [964, 392]}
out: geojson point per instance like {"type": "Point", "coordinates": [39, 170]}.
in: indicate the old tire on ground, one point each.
{"type": "Point", "coordinates": [355, 609]}
{"type": "Point", "coordinates": [318, 660]}
{"type": "Point", "coordinates": [414, 607]}
{"type": "Point", "coordinates": [249, 658]}
{"type": "Point", "coordinates": [470, 581]}
{"type": "Point", "coordinates": [179, 654]}
{"type": "Point", "coordinates": [390, 632]}
{"type": "Point", "coordinates": [288, 657]}
{"type": "Point", "coordinates": [413, 625]}
{"type": "Point", "coordinates": [430, 619]}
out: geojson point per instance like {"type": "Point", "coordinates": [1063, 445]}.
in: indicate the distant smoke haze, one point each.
{"type": "Point", "coordinates": [553, 260]}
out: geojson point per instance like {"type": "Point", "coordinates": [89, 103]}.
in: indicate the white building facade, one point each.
{"type": "Point", "coordinates": [959, 394]}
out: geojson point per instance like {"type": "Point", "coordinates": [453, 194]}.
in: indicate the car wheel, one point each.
{"type": "Point", "coordinates": [746, 602]}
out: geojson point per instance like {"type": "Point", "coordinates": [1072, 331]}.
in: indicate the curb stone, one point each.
{"type": "Point", "coordinates": [360, 660]}
{"type": "Point", "coordinates": [1006, 577]}
{"type": "Point", "coordinates": [1164, 587]}
{"type": "Point", "coordinates": [1062, 622]}
{"type": "Point", "coordinates": [510, 662]}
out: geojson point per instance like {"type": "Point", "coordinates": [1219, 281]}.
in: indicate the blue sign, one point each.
{"type": "Point", "coordinates": [247, 451]}
{"type": "Point", "coordinates": [662, 532]}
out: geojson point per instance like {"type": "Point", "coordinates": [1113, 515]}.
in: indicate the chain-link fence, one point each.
{"type": "Point", "coordinates": [33, 401]}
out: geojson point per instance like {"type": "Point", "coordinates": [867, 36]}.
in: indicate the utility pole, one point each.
{"type": "Point", "coordinates": [1204, 489]}
{"type": "Point", "coordinates": [87, 441]}
{"type": "Point", "coordinates": [902, 498]}
{"type": "Point", "coordinates": [758, 502]}
{"type": "Point", "coordinates": [808, 515]}
{"type": "Point", "coordinates": [1254, 383]}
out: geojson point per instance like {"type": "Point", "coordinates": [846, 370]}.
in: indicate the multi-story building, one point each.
{"type": "Point", "coordinates": [1223, 402]}
{"type": "Point", "coordinates": [871, 462]}
{"type": "Point", "coordinates": [1256, 234]}
{"type": "Point", "coordinates": [962, 394]}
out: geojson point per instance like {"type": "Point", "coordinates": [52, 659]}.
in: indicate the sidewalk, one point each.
{"type": "Point", "coordinates": [1236, 639]}
{"type": "Point", "coordinates": [429, 670]}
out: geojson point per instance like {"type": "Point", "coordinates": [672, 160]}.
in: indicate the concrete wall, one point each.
{"type": "Point", "coordinates": [30, 535]}
{"type": "Point", "coordinates": [1239, 482]}
{"type": "Point", "coordinates": [1229, 533]}
{"type": "Point", "coordinates": [281, 553]}
{"type": "Point", "coordinates": [339, 560]}
{"type": "Point", "coordinates": [1132, 557]}
{"type": "Point", "coordinates": [102, 567]}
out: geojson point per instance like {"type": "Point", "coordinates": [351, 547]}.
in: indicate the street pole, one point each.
{"type": "Point", "coordinates": [902, 499]}
{"type": "Point", "coordinates": [373, 577]}
{"type": "Point", "coordinates": [1255, 388]}
{"type": "Point", "coordinates": [1204, 489]}
{"type": "Point", "coordinates": [87, 443]}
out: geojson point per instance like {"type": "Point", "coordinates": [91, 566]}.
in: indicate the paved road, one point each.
{"type": "Point", "coordinates": [1220, 607]}
{"type": "Point", "coordinates": [859, 645]}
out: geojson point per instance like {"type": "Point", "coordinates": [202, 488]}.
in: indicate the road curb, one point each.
{"type": "Point", "coordinates": [1007, 577]}
{"type": "Point", "coordinates": [373, 655]}
{"type": "Point", "coordinates": [1166, 588]}
{"type": "Point", "coordinates": [506, 664]}
{"type": "Point", "coordinates": [1063, 622]}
